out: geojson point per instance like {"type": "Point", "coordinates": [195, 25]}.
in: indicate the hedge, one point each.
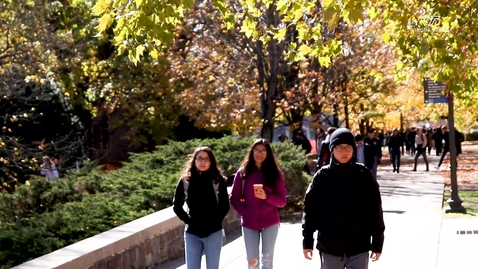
{"type": "Point", "coordinates": [44, 216]}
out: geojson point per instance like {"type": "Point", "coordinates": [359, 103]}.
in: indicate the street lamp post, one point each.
{"type": "Point", "coordinates": [454, 203]}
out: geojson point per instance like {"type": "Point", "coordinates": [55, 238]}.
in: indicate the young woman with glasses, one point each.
{"type": "Point", "coordinates": [203, 188]}
{"type": "Point", "coordinates": [257, 193]}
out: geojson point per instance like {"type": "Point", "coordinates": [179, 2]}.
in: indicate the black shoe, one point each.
{"type": "Point", "coordinates": [398, 171]}
{"type": "Point", "coordinates": [394, 170]}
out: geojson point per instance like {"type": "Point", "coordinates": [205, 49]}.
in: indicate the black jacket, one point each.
{"type": "Point", "coordinates": [205, 211]}
{"type": "Point", "coordinates": [372, 148]}
{"type": "Point", "coordinates": [395, 143]}
{"type": "Point", "coordinates": [346, 210]}
{"type": "Point", "coordinates": [459, 137]}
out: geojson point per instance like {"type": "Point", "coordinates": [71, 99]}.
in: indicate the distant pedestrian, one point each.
{"type": "Point", "coordinates": [373, 152]}
{"type": "Point", "coordinates": [395, 142]}
{"type": "Point", "coordinates": [459, 137]}
{"type": "Point", "coordinates": [421, 147]}
{"type": "Point", "coordinates": [360, 154]}
{"type": "Point", "coordinates": [343, 203]}
{"type": "Point", "coordinates": [319, 138]}
{"type": "Point", "coordinates": [302, 140]}
{"type": "Point", "coordinates": [324, 151]}
{"type": "Point", "coordinates": [49, 169]}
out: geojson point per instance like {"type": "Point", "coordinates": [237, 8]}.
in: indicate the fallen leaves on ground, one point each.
{"type": "Point", "coordinates": [467, 172]}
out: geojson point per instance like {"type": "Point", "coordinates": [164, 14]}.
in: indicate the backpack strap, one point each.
{"type": "Point", "coordinates": [185, 187]}
{"type": "Point", "coordinates": [214, 185]}
{"type": "Point", "coordinates": [216, 190]}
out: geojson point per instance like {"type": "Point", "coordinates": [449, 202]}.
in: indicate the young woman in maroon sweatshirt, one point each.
{"type": "Point", "coordinates": [258, 191]}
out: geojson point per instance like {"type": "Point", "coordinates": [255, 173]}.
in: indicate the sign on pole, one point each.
{"type": "Point", "coordinates": [435, 92]}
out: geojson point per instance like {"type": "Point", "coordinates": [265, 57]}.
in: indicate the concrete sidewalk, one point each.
{"type": "Point", "coordinates": [412, 204]}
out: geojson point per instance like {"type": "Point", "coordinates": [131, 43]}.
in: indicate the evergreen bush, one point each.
{"type": "Point", "coordinates": [43, 216]}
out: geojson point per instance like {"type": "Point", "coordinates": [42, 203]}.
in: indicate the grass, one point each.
{"type": "Point", "coordinates": [470, 202]}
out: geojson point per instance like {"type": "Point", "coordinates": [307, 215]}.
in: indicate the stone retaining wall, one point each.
{"type": "Point", "coordinates": [140, 244]}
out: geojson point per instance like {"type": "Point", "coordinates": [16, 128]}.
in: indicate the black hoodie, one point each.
{"type": "Point", "coordinates": [206, 211]}
{"type": "Point", "coordinates": [344, 205]}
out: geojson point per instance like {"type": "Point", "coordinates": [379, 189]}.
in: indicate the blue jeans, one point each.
{"type": "Point", "coordinates": [252, 239]}
{"type": "Point", "coordinates": [195, 246]}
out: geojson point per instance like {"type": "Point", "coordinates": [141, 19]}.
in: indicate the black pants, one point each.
{"type": "Point", "coordinates": [420, 151]}
{"type": "Point", "coordinates": [443, 154]}
{"type": "Point", "coordinates": [395, 158]}
{"type": "Point", "coordinates": [438, 148]}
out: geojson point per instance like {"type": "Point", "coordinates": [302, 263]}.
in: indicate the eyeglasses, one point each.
{"type": "Point", "coordinates": [261, 151]}
{"type": "Point", "coordinates": [344, 149]}
{"type": "Point", "coordinates": [201, 159]}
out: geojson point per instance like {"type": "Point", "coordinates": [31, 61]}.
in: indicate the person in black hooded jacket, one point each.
{"type": "Point", "coordinates": [203, 187]}
{"type": "Point", "coordinates": [343, 203]}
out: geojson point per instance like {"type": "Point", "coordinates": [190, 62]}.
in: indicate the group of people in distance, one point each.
{"type": "Point", "coordinates": [342, 203]}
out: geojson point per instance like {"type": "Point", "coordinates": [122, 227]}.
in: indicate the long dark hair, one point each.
{"type": "Point", "coordinates": [270, 168]}
{"type": "Point", "coordinates": [190, 167]}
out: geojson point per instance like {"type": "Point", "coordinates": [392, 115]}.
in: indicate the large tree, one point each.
{"type": "Point", "coordinates": [244, 77]}
{"type": "Point", "coordinates": [36, 119]}
{"type": "Point", "coordinates": [438, 37]}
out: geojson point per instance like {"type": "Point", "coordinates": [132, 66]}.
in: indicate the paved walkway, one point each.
{"type": "Point", "coordinates": [412, 210]}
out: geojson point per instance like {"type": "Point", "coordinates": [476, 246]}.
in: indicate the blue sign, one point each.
{"type": "Point", "coordinates": [435, 92]}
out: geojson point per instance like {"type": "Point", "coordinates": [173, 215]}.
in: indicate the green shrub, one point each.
{"type": "Point", "coordinates": [45, 216]}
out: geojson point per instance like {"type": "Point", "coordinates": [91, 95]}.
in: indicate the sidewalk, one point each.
{"type": "Point", "coordinates": [412, 210]}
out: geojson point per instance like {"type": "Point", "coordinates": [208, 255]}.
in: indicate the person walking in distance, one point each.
{"type": "Point", "coordinates": [360, 154]}
{"type": "Point", "coordinates": [49, 169]}
{"type": "Point", "coordinates": [421, 148]}
{"type": "Point", "coordinates": [343, 203]}
{"type": "Point", "coordinates": [203, 188]}
{"type": "Point", "coordinates": [446, 147]}
{"type": "Point", "coordinates": [395, 142]}
{"type": "Point", "coordinates": [373, 152]}
{"type": "Point", "coordinates": [257, 193]}
{"type": "Point", "coordinates": [324, 152]}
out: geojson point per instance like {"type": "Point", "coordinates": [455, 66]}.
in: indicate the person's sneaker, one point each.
{"type": "Point", "coordinates": [398, 171]}
{"type": "Point", "coordinates": [436, 167]}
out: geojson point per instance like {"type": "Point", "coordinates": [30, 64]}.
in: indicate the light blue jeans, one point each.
{"type": "Point", "coordinates": [252, 239]}
{"type": "Point", "coordinates": [195, 246]}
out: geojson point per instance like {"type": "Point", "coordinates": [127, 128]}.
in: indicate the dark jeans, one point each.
{"type": "Point", "coordinates": [413, 149]}
{"type": "Point", "coordinates": [420, 151]}
{"type": "Point", "coordinates": [395, 158]}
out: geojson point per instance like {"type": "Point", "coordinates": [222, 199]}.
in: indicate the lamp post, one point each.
{"type": "Point", "coordinates": [454, 203]}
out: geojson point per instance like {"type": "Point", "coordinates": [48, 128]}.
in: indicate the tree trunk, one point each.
{"type": "Point", "coordinates": [268, 94]}
{"type": "Point", "coordinates": [346, 112]}
{"type": "Point", "coordinates": [336, 116]}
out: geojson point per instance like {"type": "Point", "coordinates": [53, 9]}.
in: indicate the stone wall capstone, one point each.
{"type": "Point", "coordinates": [141, 244]}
